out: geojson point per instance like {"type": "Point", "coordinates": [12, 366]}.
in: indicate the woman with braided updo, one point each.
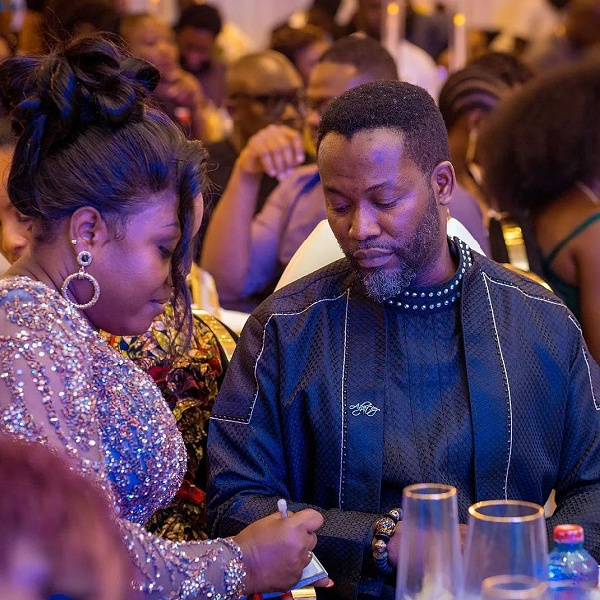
{"type": "Point", "coordinates": [114, 193]}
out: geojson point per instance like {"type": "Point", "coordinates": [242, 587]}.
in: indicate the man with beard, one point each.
{"type": "Point", "coordinates": [411, 360]}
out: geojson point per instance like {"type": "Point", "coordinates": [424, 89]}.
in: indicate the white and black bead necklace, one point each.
{"type": "Point", "coordinates": [436, 297]}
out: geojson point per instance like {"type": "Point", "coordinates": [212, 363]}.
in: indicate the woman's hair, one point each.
{"type": "Point", "coordinates": [544, 138]}
{"type": "Point", "coordinates": [89, 136]}
{"type": "Point", "coordinates": [481, 85]}
{"type": "Point", "coordinates": [56, 516]}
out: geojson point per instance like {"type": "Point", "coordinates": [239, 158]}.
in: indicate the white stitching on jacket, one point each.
{"type": "Point", "coordinates": [343, 387]}
{"type": "Point", "coordinates": [510, 438]}
{"type": "Point", "coordinates": [571, 318]}
{"type": "Point", "coordinates": [247, 421]}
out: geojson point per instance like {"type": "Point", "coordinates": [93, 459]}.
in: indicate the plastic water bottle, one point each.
{"type": "Point", "coordinates": [570, 565]}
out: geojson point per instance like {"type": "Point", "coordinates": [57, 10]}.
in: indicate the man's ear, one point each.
{"type": "Point", "coordinates": [443, 182]}
{"type": "Point", "coordinates": [87, 226]}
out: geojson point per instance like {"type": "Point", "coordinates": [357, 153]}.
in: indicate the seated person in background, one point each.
{"type": "Point", "coordinates": [577, 39]}
{"type": "Point", "coordinates": [261, 89]}
{"type": "Point", "coordinates": [196, 31]}
{"type": "Point", "coordinates": [114, 191]}
{"type": "Point", "coordinates": [231, 43]}
{"type": "Point", "coordinates": [466, 99]}
{"type": "Point", "coordinates": [414, 64]}
{"type": "Point", "coordinates": [58, 537]}
{"type": "Point", "coordinates": [246, 253]}
{"type": "Point", "coordinates": [302, 45]}
{"type": "Point", "coordinates": [179, 93]}
{"type": "Point", "coordinates": [411, 360]}
{"type": "Point", "coordinates": [541, 159]}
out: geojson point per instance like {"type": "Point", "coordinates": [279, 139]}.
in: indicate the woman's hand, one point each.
{"type": "Point", "coordinates": [276, 550]}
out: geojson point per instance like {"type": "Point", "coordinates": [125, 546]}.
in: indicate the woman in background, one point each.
{"type": "Point", "coordinates": [179, 93]}
{"type": "Point", "coordinates": [541, 159]}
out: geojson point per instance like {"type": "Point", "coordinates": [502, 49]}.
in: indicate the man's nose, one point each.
{"type": "Point", "coordinates": [364, 224]}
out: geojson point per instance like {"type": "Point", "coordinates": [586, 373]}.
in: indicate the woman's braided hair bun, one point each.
{"type": "Point", "coordinates": [51, 99]}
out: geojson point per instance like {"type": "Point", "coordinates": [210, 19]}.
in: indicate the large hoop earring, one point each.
{"type": "Point", "coordinates": [84, 258]}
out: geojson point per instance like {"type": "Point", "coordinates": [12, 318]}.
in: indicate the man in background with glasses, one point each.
{"type": "Point", "coordinates": [261, 89]}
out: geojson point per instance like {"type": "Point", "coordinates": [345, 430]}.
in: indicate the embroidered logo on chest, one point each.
{"type": "Point", "coordinates": [366, 408]}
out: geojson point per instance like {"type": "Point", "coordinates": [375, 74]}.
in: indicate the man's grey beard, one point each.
{"type": "Point", "coordinates": [414, 255]}
{"type": "Point", "coordinates": [380, 284]}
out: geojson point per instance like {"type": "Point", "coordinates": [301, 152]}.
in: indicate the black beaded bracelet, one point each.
{"type": "Point", "coordinates": [385, 527]}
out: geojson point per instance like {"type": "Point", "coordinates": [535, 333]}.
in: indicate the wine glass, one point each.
{"type": "Point", "coordinates": [513, 587]}
{"type": "Point", "coordinates": [504, 537]}
{"type": "Point", "coordinates": [430, 562]}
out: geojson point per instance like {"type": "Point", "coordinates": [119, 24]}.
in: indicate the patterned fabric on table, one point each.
{"type": "Point", "coordinates": [189, 379]}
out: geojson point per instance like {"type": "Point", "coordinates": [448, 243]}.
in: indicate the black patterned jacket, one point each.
{"type": "Point", "coordinates": [281, 426]}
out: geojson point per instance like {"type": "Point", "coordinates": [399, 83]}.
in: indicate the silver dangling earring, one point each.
{"type": "Point", "coordinates": [84, 258]}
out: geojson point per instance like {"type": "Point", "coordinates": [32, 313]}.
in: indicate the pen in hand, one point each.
{"type": "Point", "coordinates": [282, 507]}
{"type": "Point", "coordinates": [314, 572]}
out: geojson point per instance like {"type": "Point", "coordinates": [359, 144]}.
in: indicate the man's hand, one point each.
{"type": "Point", "coordinates": [274, 150]}
{"type": "Point", "coordinates": [393, 546]}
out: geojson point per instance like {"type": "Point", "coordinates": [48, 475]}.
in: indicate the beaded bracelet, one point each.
{"type": "Point", "coordinates": [385, 527]}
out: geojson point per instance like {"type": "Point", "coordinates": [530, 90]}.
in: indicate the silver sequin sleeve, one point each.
{"type": "Point", "coordinates": [62, 386]}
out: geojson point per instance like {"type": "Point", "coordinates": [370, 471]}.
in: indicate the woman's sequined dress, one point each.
{"type": "Point", "coordinates": [62, 385]}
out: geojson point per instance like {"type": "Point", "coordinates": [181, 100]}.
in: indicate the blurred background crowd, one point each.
{"type": "Point", "coordinates": [246, 76]}
{"type": "Point", "coordinates": [517, 83]}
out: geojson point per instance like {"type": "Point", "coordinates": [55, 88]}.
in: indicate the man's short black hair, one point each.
{"type": "Point", "coordinates": [201, 16]}
{"type": "Point", "coordinates": [397, 105]}
{"type": "Point", "coordinates": [367, 55]}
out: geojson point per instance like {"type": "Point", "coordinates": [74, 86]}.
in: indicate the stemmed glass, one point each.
{"type": "Point", "coordinates": [504, 537]}
{"type": "Point", "coordinates": [430, 562]}
{"type": "Point", "coordinates": [513, 587]}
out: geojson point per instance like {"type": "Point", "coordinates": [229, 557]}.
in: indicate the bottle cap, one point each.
{"type": "Point", "coordinates": [568, 534]}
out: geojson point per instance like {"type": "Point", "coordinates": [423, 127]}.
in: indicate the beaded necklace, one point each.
{"type": "Point", "coordinates": [439, 296]}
